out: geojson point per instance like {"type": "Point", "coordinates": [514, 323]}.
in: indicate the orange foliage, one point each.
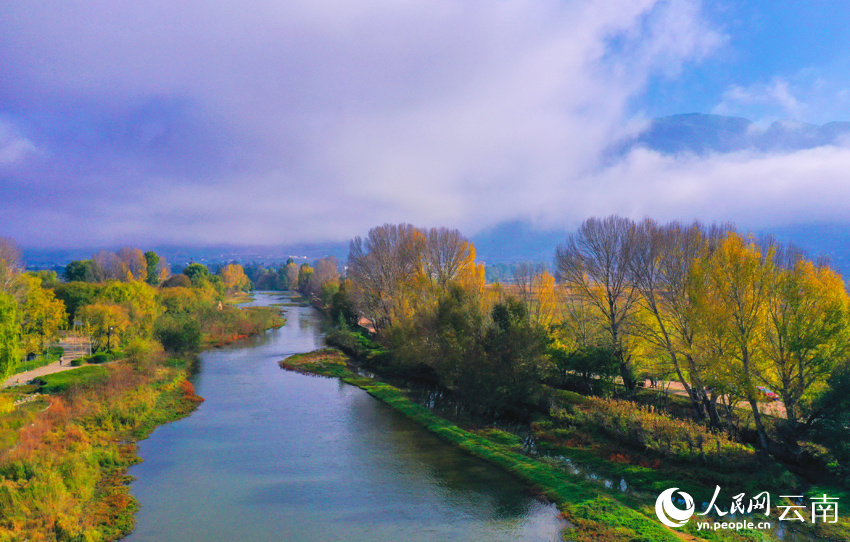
{"type": "Point", "coordinates": [189, 392]}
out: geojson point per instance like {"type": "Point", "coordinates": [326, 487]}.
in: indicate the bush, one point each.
{"type": "Point", "coordinates": [142, 353]}
{"type": "Point", "coordinates": [644, 427]}
{"type": "Point", "coordinates": [179, 334]}
{"type": "Point", "coordinates": [178, 280]}
{"type": "Point", "coordinates": [100, 357]}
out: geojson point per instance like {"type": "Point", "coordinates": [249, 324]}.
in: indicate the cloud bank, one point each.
{"type": "Point", "coordinates": [274, 122]}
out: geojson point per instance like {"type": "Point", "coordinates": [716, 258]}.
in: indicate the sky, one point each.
{"type": "Point", "coordinates": [274, 122]}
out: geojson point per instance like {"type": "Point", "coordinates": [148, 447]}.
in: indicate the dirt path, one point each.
{"type": "Point", "coordinates": [772, 408]}
{"type": "Point", "coordinates": [26, 376]}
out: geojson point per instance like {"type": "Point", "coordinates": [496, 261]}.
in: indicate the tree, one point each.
{"type": "Point", "coordinates": [536, 289]}
{"type": "Point", "coordinates": [179, 333]}
{"type": "Point", "coordinates": [139, 300]}
{"type": "Point", "coordinates": [662, 267]}
{"type": "Point", "coordinates": [75, 295]}
{"type": "Point", "coordinates": [106, 323]}
{"type": "Point", "coordinates": [10, 335]}
{"type": "Point", "coordinates": [152, 268]}
{"type": "Point", "coordinates": [516, 356]}
{"type": "Point", "coordinates": [737, 276]}
{"type": "Point", "coordinates": [196, 273]}
{"type": "Point", "coordinates": [234, 278]}
{"type": "Point", "coordinates": [133, 264]}
{"type": "Point", "coordinates": [10, 267]}
{"type": "Point", "coordinates": [447, 256]}
{"type": "Point", "coordinates": [595, 263]}
{"type": "Point", "coordinates": [381, 268]}
{"type": "Point", "coordinates": [106, 265]}
{"type": "Point", "coordinates": [325, 272]}
{"type": "Point", "coordinates": [179, 280]}
{"type": "Point", "coordinates": [41, 315]}
{"type": "Point", "coordinates": [304, 274]}
{"type": "Point", "coordinates": [290, 276]}
{"type": "Point", "coordinates": [806, 330]}
{"type": "Point", "coordinates": [80, 271]}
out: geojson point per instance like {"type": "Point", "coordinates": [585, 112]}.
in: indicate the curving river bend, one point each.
{"type": "Point", "coordinates": [278, 456]}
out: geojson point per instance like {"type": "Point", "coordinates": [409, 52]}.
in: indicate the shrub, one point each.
{"type": "Point", "coordinates": [100, 357]}
{"type": "Point", "coordinates": [645, 427]}
{"type": "Point", "coordinates": [179, 333]}
{"type": "Point", "coordinates": [178, 280]}
{"type": "Point", "coordinates": [142, 353]}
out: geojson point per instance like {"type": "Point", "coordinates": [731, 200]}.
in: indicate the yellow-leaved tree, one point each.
{"type": "Point", "coordinates": [805, 335]}
{"type": "Point", "coordinates": [106, 324]}
{"type": "Point", "coordinates": [737, 275]}
{"type": "Point", "coordinates": [41, 315]}
{"type": "Point", "coordinates": [234, 278]}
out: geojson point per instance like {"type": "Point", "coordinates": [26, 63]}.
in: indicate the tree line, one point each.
{"type": "Point", "coordinates": [119, 300]}
{"type": "Point", "coordinates": [722, 313]}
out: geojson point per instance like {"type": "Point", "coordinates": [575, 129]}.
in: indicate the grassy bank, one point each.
{"type": "Point", "coordinates": [596, 514]}
{"type": "Point", "coordinates": [66, 445]}
{"type": "Point", "coordinates": [594, 434]}
{"type": "Point", "coordinates": [66, 453]}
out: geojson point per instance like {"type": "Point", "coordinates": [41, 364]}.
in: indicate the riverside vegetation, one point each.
{"type": "Point", "coordinates": [564, 360]}
{"type": "Point", "coordinates": [66, 445]}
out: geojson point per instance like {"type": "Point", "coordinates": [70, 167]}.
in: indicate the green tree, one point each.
{"type": "Point", "coordinates": [10, 335]}
{"type": "Point", "coordinates": [139, 300]}
{"type": "Point", "coordinates": [516, 358]}
{"type": "Point", "coordinates": [80, 271]}
{"type": "Point", "coordinates": [304, 274]}
{"type": "Point", "coordinates": [196, 273]}
{"type": "Point", "coordinates": [152, 267]}
{"type": "Point", "coordinates": [179, 333]}
{"type": "Point", "coordinates": [76, 295]}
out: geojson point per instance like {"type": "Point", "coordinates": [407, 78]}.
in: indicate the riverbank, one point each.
{"type": "Point", "coordinates": [595, 514]}
{"type": "Point", "coordinates": [67, 439]}
{"type": "Point", "coordinates": [66, 453]}
{"type": "Point", "coordinates": [581, 470]}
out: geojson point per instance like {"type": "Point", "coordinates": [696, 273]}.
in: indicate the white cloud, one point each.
{"type": "Point", "coordinates": [755, 189]}
{"type": "Point", "coordinates": [14, 148]}
{"type": "Point", "coordinates": [778, 96]}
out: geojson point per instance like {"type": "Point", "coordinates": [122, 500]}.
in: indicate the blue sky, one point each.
{"type": "Point", "coordinates": [269, 121]}
{"type": "Point", "coordinates": [803, 45]}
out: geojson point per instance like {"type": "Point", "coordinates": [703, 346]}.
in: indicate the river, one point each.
{"type": "Point", "coordinates": [275, 455]}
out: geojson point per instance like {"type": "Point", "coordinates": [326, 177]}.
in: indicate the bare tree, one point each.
{"type": "Point", "coordinates": [106, 266]}
{"type": "Point", "coordinates": [10, 267]}
{"type": "Point", "coordinates": [326, 270]}
{"type": "Point", "coordinates": [133, 265]}
{"type": "Point", "coordinates": [380, 268]}
{"type": "Point", "coordinates": [595, 263]}
{"type": "Point", "coordinates": [445, 254]}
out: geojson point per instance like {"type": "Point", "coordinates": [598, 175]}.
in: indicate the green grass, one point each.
{"type": "Point", "coordinates": [57, 383]}
{"type": "Point", "coordinates": [39, 361]}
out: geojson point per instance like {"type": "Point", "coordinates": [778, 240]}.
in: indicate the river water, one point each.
{"type": "Point", "coordinates": [278, 456]}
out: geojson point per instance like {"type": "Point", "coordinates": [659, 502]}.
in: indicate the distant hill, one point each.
{"type": "Point", "coordinates": [700, 134]}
